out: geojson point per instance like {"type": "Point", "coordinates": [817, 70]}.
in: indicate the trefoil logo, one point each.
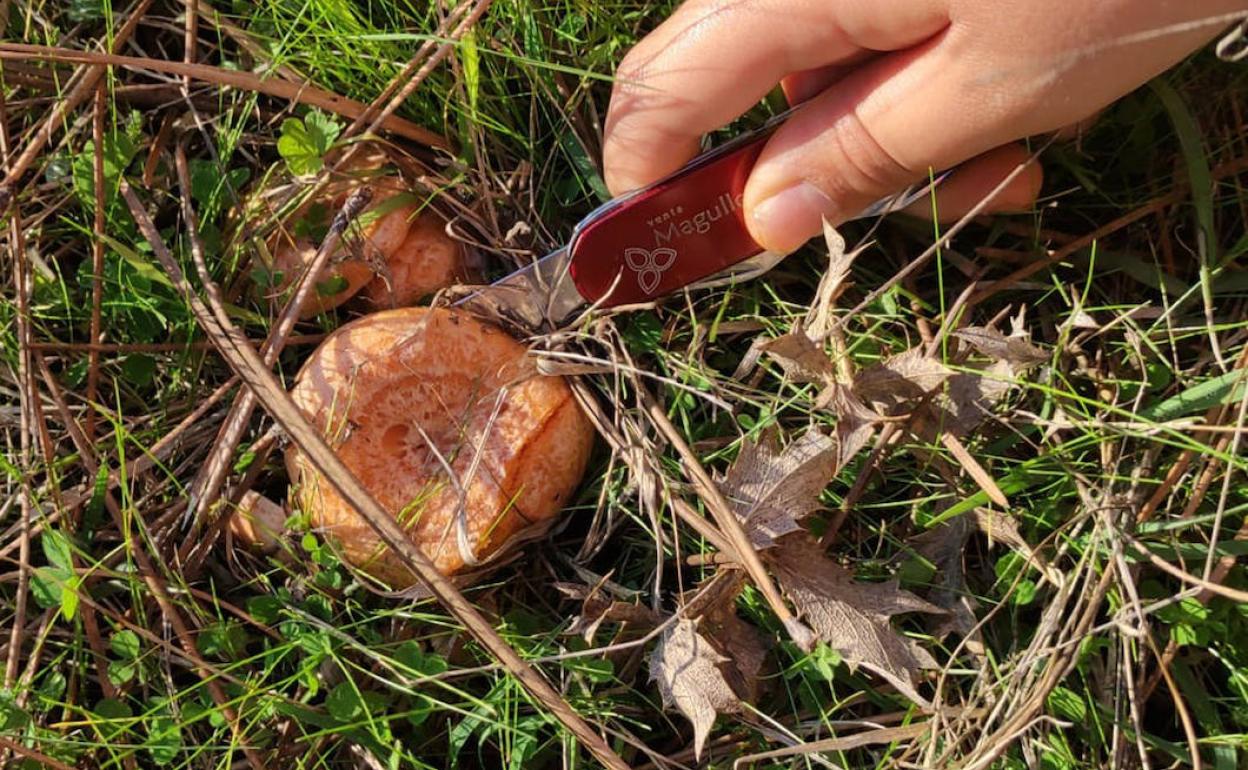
{"type": "Point", "coordinates": [649, 265]}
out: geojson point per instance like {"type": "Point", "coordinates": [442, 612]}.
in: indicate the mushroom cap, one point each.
{"type": "Point", "coordinates": [427, 260]}
{"type": "Point", "coordinates": [401, 395]}
{"type": "Point", "coordinates": [370, 241]}
{"type": "Point", "coordinates": [339, 280]}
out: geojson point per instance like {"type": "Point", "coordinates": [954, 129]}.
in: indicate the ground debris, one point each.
{"type": "Point", "coordinates": [1014, 349]}
{"type": "Point", "coordinates": [944, 546]}
{"type": "Point", "coordinates": [597, 607]}
{"type": "Point", "coordinates": [835, 281]}
{"type": "Point", "coordinates": [689, 674]}
{"type": "Point", "coordinates": [854, 424]}
{"type": "Point", "coordinates": [738, 640]}
{"type": "Point", "coordinates": [896, 383]}
{"type": "Point", "coordinates": [853, 617]}
{"type": "Point", "coordinates": [1003, 528]}
{"type": "Point", "coordinates": [710, 660]}
{"type": "Point", "coordinates": [801, 358]}
{"type": "Point", "coordinates": [970, 397]}
{"type": "Point", "coordinates": [772, 489]}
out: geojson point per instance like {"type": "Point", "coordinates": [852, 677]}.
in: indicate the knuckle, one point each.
{"type": "Point", "coordinates": [862, 163]}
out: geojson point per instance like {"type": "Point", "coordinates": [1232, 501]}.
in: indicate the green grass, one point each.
{"type": "Point", "coordinates": [323, 672]}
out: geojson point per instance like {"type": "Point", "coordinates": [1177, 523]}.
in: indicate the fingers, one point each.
{"type": "Point", "coordinates": [807, 84]}
{"type": "Point", "coordinates": [714, 59]}
{"type": "Point", "coordinates": [975, 179]}
{"type": "Point", "coordinates": [877, 130]}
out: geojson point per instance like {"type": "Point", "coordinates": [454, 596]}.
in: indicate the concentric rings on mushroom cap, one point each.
{"type": "Point", "coordinates": [403, 394]}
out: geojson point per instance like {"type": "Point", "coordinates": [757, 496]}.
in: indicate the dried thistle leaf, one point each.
{"type": "Point", "coordinates": [855, 422]}
{"type": "Point", "coordinates": [597, 607]}
{"type": "Point", "coordinates": [1016, 350]}
{"type": "Point", "coordinates": [898, 381]}
{"type": "Point", "coordinates": [1081, 319]}
{"type": "Point", "coordinates": [970, 397]}
{"type": "Point", "coordinates": [821, 317]}
{"type": "Point", "coordinates": [944, 546]}
{"type": "Point", "coordinates": [688, 671]}
{"type": "Point", "coordinates": [838, 261]}
{"type": "Point", "coordinates": [801, 358]}
{"type": "Point", "coordinates": [853, 617]}
{"type": "Point", "coordinates": [738, 640]}
{"type": "Point", "coordinates": [772, 489]}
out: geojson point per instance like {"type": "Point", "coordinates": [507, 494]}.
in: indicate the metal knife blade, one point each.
{"type": "Point", "coordinates": [686, 229]}
{"type": "Point", "coordinates": [534, 296]}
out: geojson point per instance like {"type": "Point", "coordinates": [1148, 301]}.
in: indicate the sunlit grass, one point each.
{"type": "Point", "coordinates": [319, 670]}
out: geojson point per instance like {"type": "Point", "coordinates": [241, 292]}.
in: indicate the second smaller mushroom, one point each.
{"type": "Point", "coordinates": [427, 260]}
{"type": "Point", "coordinates": [396, 251]}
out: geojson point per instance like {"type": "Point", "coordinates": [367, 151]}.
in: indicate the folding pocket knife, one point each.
{"type": "Point", "coordinates": [687, 229]}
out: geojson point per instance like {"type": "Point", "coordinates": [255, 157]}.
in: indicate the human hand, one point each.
{"type": "Point", "coordinates": [896, 87]}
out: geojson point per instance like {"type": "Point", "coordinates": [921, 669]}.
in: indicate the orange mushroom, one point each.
{"type": "Point", "coordinates": [258, 522]}
{"type": "Point", "coordinates": [368, 243]}
{"type": "Point", "coordinates": [397, 247]}
{"type": "Point", "coordinates": [428, 259]}
{"type": "Point", "coordinates": [448, 424]}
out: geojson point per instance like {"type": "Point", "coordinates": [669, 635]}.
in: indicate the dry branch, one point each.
{"type": "Point", "coordinates": [304, 93]}
{"type": "Point", "coordinates": [57, 117]}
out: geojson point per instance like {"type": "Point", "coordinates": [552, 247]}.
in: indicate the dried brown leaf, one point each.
{"type": "Point", "coordinates": [597, 607]}
{"type": "Point", "coordinates": [688, 671]}
{"type": "Point", "coordinates": [970, 397]}
{"type": "Point", "coordinates": [1014, 349]}
{"type": "Point", "coordinates": [853, 617]}
{"type": "Point", "coordinates": [821, 317]}
{"type": "Point", "coordinates": [772, 489]}
{"type": "Point", "coordinates": [1083, 320]}
{"type": "Point", "coordinates": [801, 358]}
{"type": "Point", "coordinates": [855, 422]}
{"type": "Point", "coordinates": [1004, 528]}
{"type": "Point", "coordinates": [1000, 527]}
{"type": "Point", "coordinates": [839, 262]}
{"type": "Point", "coordinates": [738, 640]}
{"type": "Point", "coordinates": [944, 546]}
{"type": "Point", "coordinates": [894, 384]}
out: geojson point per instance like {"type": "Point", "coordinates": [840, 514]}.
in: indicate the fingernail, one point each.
{"type": "Point", "coordinates": [789, 218]}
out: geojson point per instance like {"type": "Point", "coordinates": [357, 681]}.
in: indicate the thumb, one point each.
{"type": "Point", "coordinates": [871, 134]}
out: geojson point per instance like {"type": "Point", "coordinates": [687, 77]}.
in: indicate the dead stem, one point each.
{"type": "Point", "coordinates": [27, 396]}
{"type": "Point", "coordinates": [730, 526]}
{"type": "Point", "coordinates": [148, 574]}
{"type": "Point", "coordinates": [99, 108]}
{"type": "Point", "coordinates": [282, 89]}
{"type": "Point", "coordinates": [207, 486]}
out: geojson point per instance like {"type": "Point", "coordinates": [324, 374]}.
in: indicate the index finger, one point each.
{"type": "Point", "coordinates": [714, 59]}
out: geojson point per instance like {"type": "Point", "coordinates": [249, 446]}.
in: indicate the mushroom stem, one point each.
{"type": "Point", "coordinates": [258, 522]}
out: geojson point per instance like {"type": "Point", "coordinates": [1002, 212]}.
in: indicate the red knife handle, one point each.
{"type": "Point", "coordinates": [677, 231]}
